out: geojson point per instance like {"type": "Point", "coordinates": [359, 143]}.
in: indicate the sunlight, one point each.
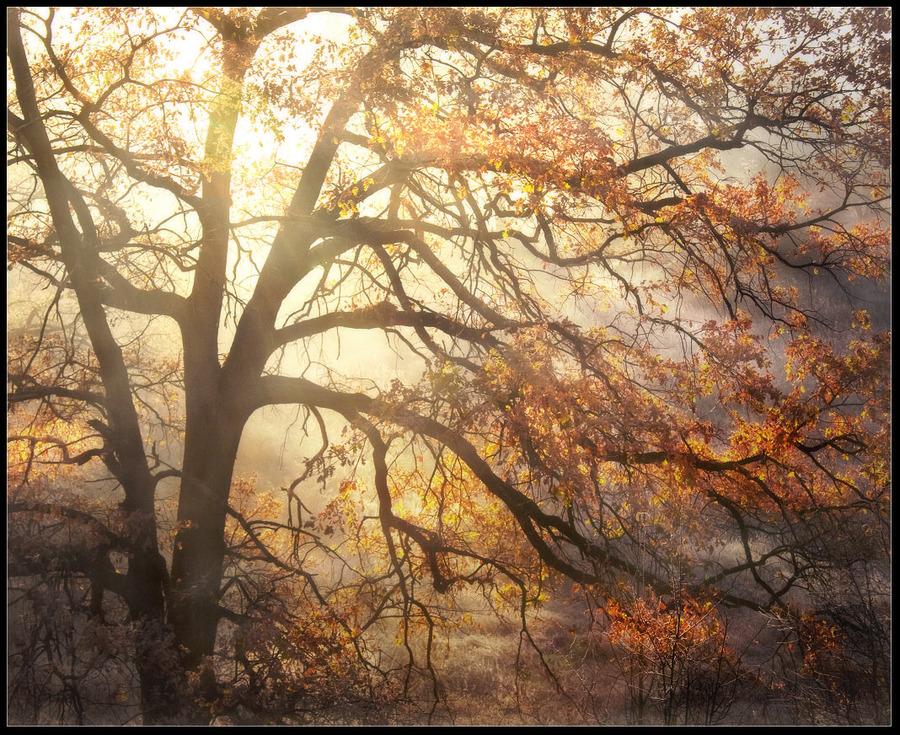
{"type": "Point", "coordinates": [407, 366]}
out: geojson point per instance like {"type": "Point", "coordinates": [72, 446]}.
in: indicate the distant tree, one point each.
{"type": "Point", "coordinates": [621, 251]}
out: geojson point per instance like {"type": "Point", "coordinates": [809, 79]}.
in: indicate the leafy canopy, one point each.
{"type": "Point", "coordinates": [620, 256]}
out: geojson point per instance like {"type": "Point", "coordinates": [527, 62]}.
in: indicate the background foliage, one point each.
{"type": "Point", "coordinates": [365, 365]}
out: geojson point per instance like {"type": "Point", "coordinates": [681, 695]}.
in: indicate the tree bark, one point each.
{"type": "Point", "coordinates": [199, 553]}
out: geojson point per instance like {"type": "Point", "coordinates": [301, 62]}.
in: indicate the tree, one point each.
{"type": "Point", "coordinates": [540, 211]}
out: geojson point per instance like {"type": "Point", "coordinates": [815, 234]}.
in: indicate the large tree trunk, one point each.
{"type": "Point", "coordinates": [212, 429]}
{"type": "Point", "coordinates": [198, 557]}
{"type": "Point", "coordinates": [197, 566]}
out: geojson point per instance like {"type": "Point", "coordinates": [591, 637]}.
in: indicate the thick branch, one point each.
{"type": "Point", "coordinates": [381, 316]}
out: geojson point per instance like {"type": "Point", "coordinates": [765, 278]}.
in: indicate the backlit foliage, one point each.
{"type": "Point", "coordinates": [551, 296]}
